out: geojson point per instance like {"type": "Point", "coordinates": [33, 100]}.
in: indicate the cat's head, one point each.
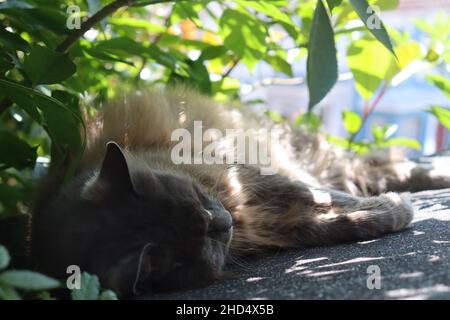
{"type": "Point", "coordinates": [160, 230]}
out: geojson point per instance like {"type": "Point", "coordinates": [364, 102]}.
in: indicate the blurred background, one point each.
{"type": "Point", "coordinates": [405, 102]}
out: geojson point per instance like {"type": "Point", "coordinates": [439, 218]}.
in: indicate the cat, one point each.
{"type": "Point", "coordinates": [143, 223]}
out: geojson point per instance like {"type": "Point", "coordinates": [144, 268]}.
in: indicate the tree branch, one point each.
{"type": "Point", "coordinates": [89, 23]}
{"type": "Point", "coordinates": [231, 68]}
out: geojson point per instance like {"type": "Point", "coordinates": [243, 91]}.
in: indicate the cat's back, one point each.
{"type": "Point", "coordinates": [146, 120]}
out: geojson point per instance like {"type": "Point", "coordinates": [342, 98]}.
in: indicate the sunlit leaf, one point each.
{"type": "Point", "coordinates": [279, 64]}
{"type": "Point", "coordinates": [369, 62]}
{"type": "Point", "coordinates": [440, 82]}
{"type": "Point", "coordinates": [403, 142]}
{"type": "Point", "coordinates": [134, 24]}
{"type": "Point", "coordinates": [213, 52]}
{"type": "Point", "coordinates": [269, 9]}
{"type": "Point", "coordinates": [333, 4]}
{"type": "Point", "coordinates": [274, 116]}
{"type": "Point", "coordinates": [372, 22]}
{"type": "Point", "coordinates": [385, 4]}
{"type": "Point", "coordinates": [352, 121]}
{"type": "Point", "coordinates": [310, 120]}
{"type": "Point", "coordinates": [442, 114]}
{"type": "Point", "coordinates": [243, 34]}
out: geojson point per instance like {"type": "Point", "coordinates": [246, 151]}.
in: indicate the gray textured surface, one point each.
{"type": "Point", "coordinates": [414, 264]}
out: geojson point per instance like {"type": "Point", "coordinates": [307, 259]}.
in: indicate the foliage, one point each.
{"type": "Point", "coordinates": [382, 136]}
{"type": "Point", "coordinates": [13, 281]}
{"type": "Point", "coordinates": [60, 62]}
{"type": "Point", "coordinates": [37, 286]}
{"type": "Point", "coordinates": [439, 54]}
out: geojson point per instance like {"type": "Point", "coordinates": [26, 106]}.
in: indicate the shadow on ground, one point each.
{"type": "Point", "coordinates": [414, 264]}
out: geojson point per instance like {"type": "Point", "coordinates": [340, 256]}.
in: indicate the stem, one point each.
{"type": "Point", "coordinates": [368, 109]}
{"type": "Point", "coordinates": [89, 23]}
{"type": "Point", "coordinates": [235, 63]}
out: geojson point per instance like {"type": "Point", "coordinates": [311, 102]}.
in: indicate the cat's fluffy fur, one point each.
{"type": "Point", "coordinates": [292, 208]}
{"type": "Point", "coordinates": [321, 195]}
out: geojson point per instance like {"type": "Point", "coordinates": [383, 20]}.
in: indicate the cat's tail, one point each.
{"type": "Point", "coordinates": [390, 170]}
{"type": "Point", "coordinates": [376, 172]}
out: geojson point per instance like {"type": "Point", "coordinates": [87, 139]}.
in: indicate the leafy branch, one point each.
{"type": "Point", "coordinates": [89, 23]}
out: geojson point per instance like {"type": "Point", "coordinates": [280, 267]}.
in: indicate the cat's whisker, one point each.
{"type": "Point", "coordinates": [239, 262]}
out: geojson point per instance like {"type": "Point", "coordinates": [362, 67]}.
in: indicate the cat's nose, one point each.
{"type": "Point", "coordinates": [221, 222]}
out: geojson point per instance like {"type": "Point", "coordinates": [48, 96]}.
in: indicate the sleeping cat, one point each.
{"type": "Point", "coordinates": [143, 223]}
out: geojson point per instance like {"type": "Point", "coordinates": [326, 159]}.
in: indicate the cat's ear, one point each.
{"type": "Point", "coordinates": [114, 170]}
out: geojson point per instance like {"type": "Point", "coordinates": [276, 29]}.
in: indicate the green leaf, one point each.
{"type": "Point", "coordinates": [123, 46]}
{"type": "Point", "coordinates": [279, 64]}
{"type": "Point", "coordinates": [39, 18]}
{"type": "Point", "coordinates": [269, 9]}
{"type": "Point", "coordinates": [386, 4]}
{"type": "Point", "coordinates": [333, 4]}
{"type": "Point", "coordinates": [322, 61]}
{"type": "Point", "coordinates": [28, 280]}
{"type": "Point", "coordinates": [45, 66]}
{"type": "Point", "coordinates": [23, 98]}
{"type": "Point", "coordinates": [372, 22]}
{"type": "Point", "coordinates": [369, 62]}
{"type": "Point", "coordinates": [12, 41]}
{"type": "Point", "coordinates": [442, 114]}
{"type": "Point", "coordinates": [9, 198]}
{"type": "Point", "coordinates": [4, 257]}
{"type": "Point", "coordinates": [243, 34]}
{"type": "Point", "coordinates": [19, 4]}
{"type": "Point", "coordinates": [440, 82]}
{"type": "Point", "coordinates": [64, 127]}
{"type": "Point", "coordinates": [382, 133]}
{"type": "Point", "coordinates": [182, 11]}
{"type": "Point", "coordinates": [108, 295]}
{"type": "Point", "coordinates": [61, 121]}
{"type": "Point", "coordinates": [339, 141]}
{"type": "Point", "coordinates": [402, 141]}
{"type": "Point", "coordinates": [352, 121]}
{"type": "Point", "coordinates": [89, 288]}
{"type": "Point", "coordinates": [274, 116]}
{"type": "Point", "coordinates": [310, 120]}
{"type": "Point", "coordinates": [8, 293]}
{"type": "Point", "coordinates": [6, 62]}
{"type": "Point", "coordinates": [134, 24]}
{"type": "Point", "coordinates": [213, 52]}
{"type": "Point", "coordinates": [14, 152]}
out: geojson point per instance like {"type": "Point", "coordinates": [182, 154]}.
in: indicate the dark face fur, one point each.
{"type": "Point", "coordinates": [139, 230]}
